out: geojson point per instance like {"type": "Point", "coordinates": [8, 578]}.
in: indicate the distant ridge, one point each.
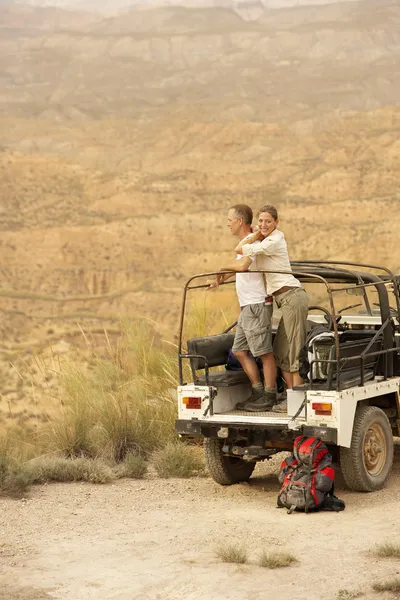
{"type": "Point", "coordinates": [247, 9]}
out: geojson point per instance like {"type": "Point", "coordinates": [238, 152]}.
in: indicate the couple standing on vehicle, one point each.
{"type": "Point", "coordinates": [265, 249]}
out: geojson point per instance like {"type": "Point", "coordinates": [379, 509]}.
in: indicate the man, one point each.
{"type": "Point", "coordinates": [253, 332]}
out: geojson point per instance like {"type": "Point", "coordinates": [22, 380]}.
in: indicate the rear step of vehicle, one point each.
{"type": "Point", "coordinates": [245, 416]}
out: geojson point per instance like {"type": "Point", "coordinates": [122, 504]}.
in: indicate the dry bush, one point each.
{"type": "Point", "coordinates": [232, 553]}
{"type": "Point", "coordinates": [178, 460]}
{"type": "Point", "coordinates": [390, 585]}
{"type": "Point", "coordinates": [387, 550]}
{"type": "Point", "coordinates": [134, 466]}
{"type": "Point", "coordinates": [276, 560]}
{"type": "Point", "coordinates": [47, 469]}
{"type": "Point", "coordinates": [14, 478]}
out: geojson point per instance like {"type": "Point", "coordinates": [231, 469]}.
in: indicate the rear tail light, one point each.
{"type": "Point", "coordinates": [191, 402]}
{"type": "Point", "coordinates": [322, 408]}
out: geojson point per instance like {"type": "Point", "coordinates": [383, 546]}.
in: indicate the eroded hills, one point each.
{"type": "Point", "coordinates": [124, 139]}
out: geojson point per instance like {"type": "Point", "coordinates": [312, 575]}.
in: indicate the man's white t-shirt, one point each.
{"type": "Point", "coordinates": [272, 255]}
{"type": "Point", "coordinates": [250, 287]}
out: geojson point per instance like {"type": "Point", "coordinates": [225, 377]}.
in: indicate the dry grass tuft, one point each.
{"type": "Point", "coordinates": [119, 404]}
{"type": "Point", "coordinates": [14, 478]}
{"type": "Point", "coordinates": [179, 460]}
{"type": "Point", "coordinates": [232, 553]}
{"type": "Point", "coordinates": [348, 594]}
{"type": "Point", "coordinates": [47, 469]}
{"type": "Point", "coordinates": [391, 585]}
{"type": "Point", "coordinates": [387, 550]}
{"type": "Point", "coordinates": [133, 466]}
{"type": "Point", "coordinates": [276, 560]}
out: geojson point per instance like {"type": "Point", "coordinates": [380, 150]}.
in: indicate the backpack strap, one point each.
{"type": "Point", "coordinates": [296, 449]}
{"type": "Point", "coordinates": [309, 474]}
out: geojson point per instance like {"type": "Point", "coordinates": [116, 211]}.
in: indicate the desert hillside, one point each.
{"type": "Point", "coordinates": [125, 139]}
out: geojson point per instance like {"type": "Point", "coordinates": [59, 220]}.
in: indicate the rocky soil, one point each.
{"type": "Point", "coordinates": [156, 539]}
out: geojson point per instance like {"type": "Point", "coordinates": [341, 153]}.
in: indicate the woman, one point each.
{"type": "Point", "coordinates": [270, 247]}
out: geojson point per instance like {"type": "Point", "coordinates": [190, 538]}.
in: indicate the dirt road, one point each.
{"type": "Point", "coordinates": [156, 539]}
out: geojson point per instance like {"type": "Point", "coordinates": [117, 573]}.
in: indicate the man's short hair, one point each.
{"type": "Point", "coordinates": [243, 212]}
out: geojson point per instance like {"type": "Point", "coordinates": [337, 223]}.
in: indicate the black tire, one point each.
{"type": "Point", "coordinates": [225, 470]}
{"type": "Point", "coordinates": [367, 464]}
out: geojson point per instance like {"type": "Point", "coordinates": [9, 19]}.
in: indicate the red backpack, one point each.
{"type": "Point", "coordinates": [307, 478]}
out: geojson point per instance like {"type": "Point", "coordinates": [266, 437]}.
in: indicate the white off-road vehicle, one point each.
{"type": "Point", "coordinates": [351, 400]}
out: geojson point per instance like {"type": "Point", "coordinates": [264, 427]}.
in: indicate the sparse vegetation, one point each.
{"type": "Point", "coordinates": [47, 469]}
{"type": "Point", "coordinates": [276, 560]}
{"type": "Point", "coordinates": [232, 553]}
{"type": "Point", "coordinates": [110, 404]}
{"type": "Point", "coordinates": [179, 460]}
{"type": "Point", "coordinates": [387, 550]}
{"type": "Point", "coordinates": [390, 585]}
{"type": "Point", "coordinates": [119, 403]}
{"type": "Point", "coordinates": [348, 594]}
{"type": "Point", "coordinates": [133, 466]}
{"type": "Point", "coordinates": [116, 410]}
{"type": "Point", "coordinates": [14, 479]}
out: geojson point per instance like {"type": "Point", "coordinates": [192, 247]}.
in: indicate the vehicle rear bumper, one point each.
{"type": "Point", "coordinates": [275, 431]}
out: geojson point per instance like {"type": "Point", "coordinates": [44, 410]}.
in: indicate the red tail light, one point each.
{"type": "Point", "coordinates": [322, 408]}
{"type": "Point", "coordinates": [192, 402]}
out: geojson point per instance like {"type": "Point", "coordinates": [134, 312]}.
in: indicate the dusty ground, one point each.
{"type": "Point", "coordinates": [155, 540]}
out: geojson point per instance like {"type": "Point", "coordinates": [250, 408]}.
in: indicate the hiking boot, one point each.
{"type": "Point", "coordinates": [263, 401]}
{"type": "Point", "coordinates": [281, 407]}
{"type": "Point", "coordinates": [281, 396]}
{"type": "Point", "coordinates": [254, 396]}
{"type": "Point", "coordinates": [257, 406]}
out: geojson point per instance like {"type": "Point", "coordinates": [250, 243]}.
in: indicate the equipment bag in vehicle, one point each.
{"type": "Point", "coordinates": [307, 478]}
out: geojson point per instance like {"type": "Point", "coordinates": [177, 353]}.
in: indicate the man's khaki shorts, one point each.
{"type": "Point", "coordinates": [292, 329]}
{"type": "Point", "coordinates": [253, 330]}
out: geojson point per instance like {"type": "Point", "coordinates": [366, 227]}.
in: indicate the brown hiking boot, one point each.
{"type": "Point", "coordinates": [254, 397]}
{"type": "Point", "coordinates": [263, 401]}
{"type": "Point", "coordinates": [281, 407]}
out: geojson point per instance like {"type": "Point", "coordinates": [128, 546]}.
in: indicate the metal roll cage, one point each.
{"type": "Point", "coordinates": [327, 273]}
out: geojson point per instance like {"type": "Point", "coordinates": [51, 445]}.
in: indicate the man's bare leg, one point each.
{"type": "Point", "coordinates": [269, 370]}
{"type": "Point", "coordinates": [249, 367]}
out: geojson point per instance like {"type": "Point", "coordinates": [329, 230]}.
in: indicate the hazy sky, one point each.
{"type": "Point", "coordinates": [109, 4]}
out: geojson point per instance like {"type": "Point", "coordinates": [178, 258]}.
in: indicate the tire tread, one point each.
{"type": "Point", "coordinates": [219, 467]}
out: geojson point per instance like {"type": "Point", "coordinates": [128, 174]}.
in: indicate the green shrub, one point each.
{"type": "Point", "coordinates": [178, 460]}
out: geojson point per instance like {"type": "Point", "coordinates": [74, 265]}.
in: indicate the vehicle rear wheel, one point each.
{"type": "Point", "coordinates": [225, 470]}
{"type": "Point", "coordinates": [366, 465]}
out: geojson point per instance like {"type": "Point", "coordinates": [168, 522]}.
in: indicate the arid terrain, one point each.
{"type": "Point", "coordinates": [156, 540]}
{"type": "Point", "coordinates": [125, 139]}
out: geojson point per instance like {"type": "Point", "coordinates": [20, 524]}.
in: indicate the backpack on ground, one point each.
{"type": "Point", "coordinates": [307, 478]}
